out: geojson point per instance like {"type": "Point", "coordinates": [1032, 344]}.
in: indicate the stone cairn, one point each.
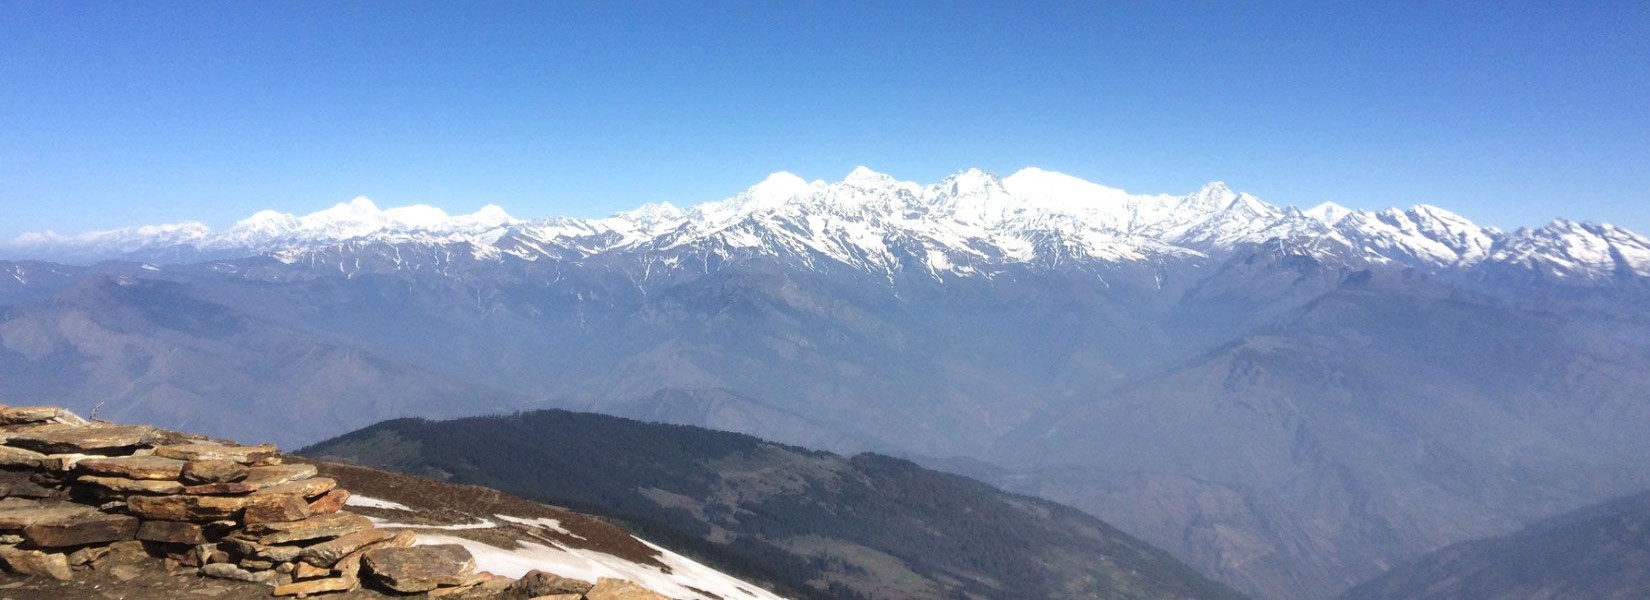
{"type": "Point", "coordinates": [74, 491]}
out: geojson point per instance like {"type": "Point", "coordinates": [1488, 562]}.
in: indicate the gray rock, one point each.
{"type": "Point", "coordinates": [213, 470]}
{"type": "Point", "coordinates": [234, 572]}
{"type": "Point", "coordinates": [421, 568]}
{"type": "Point", "coordinates": [133, 467]}
{"type": "Point", "coordinates": [199, 450]}
{"type": "Point", "coordinates": [539, 583]}
{"type": "Point", "coordinates": [313, 528]}
{"type": "Point", "coordinates": [34, 562]}
{"type": "Point", "coordinates": [81, 530]}
{"type": "Point", "coordinates": [39, 414]}
{"type": "Point", "coordinates": [94, 437]}
{"type": "Point", "coordinates": [18, 513]}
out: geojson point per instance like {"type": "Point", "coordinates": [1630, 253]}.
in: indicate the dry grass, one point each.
{"type": "Point", "coordinates": [442, 503]}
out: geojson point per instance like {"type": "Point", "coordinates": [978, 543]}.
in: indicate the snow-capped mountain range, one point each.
{"type": "Point", "coordinates": [1294, 398]}
{"type": "Point", "coordinates": [970, 222]}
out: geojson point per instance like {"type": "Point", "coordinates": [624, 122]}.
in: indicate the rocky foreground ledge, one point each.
{"type": "Point", "coordinates": [78, 495]}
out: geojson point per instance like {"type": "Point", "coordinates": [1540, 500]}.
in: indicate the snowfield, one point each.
{"type": "Point", "coordinates": [685, 578]}
{"type": "Point", "coordinates": [965, 225]}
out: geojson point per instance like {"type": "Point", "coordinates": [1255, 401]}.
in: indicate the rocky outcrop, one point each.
{"type": "Point", "coordinates": [73, 491]}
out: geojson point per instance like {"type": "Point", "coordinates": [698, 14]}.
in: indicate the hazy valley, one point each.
{"type": "Point", "coordinates": [1290, 400]}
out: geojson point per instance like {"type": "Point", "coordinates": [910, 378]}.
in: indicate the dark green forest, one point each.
{"type": "Point", "coordinates": [812, 524]}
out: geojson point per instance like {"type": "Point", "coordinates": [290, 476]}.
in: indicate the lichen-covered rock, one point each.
{"type": "Point", "coordinates": [81, 530]}
{"type": "Point", "coordinates": [278, 474]}
{"type": "Point", "coordinates": [312, 528]}
{"type": "Point", "coordinates": [18, 457]}
{"type": "Point", "coordinates": [235, 512]}
{"type": "Point", "coordinates": [218, 489]}
{"type": "Point", "coordinates": [18, 513]}
{"type": "Point", "coordinates": [87, 555]}
{"type": "Point", "coordinates": [420, 568]}
{"type": "Point", "coordinates": [250, 548]}
{"type": "Point", "coordinates": [213, 470]}
{"type": "Point", "coordinates": [62, 463]}
{"type": "Point", "coordinates": [34, 562]}
{"type": "Point", "coordinates": [328, 553]}
{"type": "Point", "coordinates": [317, 586]}
{"type": "Point", "coordinates": [133, 467]}
{"type": "Point", "coordinates": [539, 583]}
{"type": "Point", "coordinates": [303, 570]}
{"type": "Point", "coordinates": [276, 509]}
{"type": "Point", "coordinates": [93, 437]}
{"type": "Point", "coordinates": [198, 450]}
{"type": "Point", "coordinates": [620, 589]}
{"type": "Point", "coordinates": [186, 507]}
{"type": "Point", "coordinates": [39, 414]}
{"type": "Point", "coordinates": [172, 532]}
{"type": "Point", "coordinates": [235, 572]}
{"type": "Point", "coordinates": [330, 502]}
{"type": "Point", "coordinates": [22, 484]}
{"type": "Point", "coordinates": [498, 586]}
{"type": "Point", "coordinates": [306, 488]}
{"type": "Point", "coordinates": [133, 486]}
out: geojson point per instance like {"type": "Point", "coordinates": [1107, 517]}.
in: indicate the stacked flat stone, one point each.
{"type": "Point", "coordinates": [73, 492]}
{"type": "Point", "coordinates": [73, 488]}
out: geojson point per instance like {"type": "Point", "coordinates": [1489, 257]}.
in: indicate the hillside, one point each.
{"type": "Point", "coordinates": [97, 509]}
{"type": "Point", "coordinates": [1290, 400]}
{"type": "Point", "coordinates": [841, 527]}
{"type": "Point", "coordinates": [1356, 429]}
{"type": "Point", "coordinates": [1595, 553]}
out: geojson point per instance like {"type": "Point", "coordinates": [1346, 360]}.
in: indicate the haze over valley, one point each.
{"type": "Point", "coordinates": [1292, 400]}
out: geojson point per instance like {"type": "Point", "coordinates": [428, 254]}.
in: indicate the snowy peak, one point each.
{"type": "Point", "coordinates": [1059, 190]}
{"type": "Point", "coordinates": [777, 188]}
{"type": "Point", "coordinates": [970, 222]}
{"type": "Point", "coordinates": [1568, 250]}
{"type": "Point", "coordinates": [1327, 213]}
{"type": "Point", "coordinates": [363, 214]}
{"type": "Point", "coordinates": [648, 215]}
{"type": "Point", "coordinates": [360, 218]}
{"type": "Point", "coordinates": [864, 177]}
{"type": "Point", "coordinates": [177, 233]}
{"type": "Point", "coordinates": [1212, 196]}
{"type": "Point", "coordinates": [975, 197]}
{"type": "Point", "coordinates": [491, 215]}
{"type": "Point", "coordinates": [270, 231]}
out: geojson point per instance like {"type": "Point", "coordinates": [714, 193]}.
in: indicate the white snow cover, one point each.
{"type": "Point", "coordinates": [542, 522]}
{"type": "Point", "coordinates": [268, 230]}
{"type": "Point", "coordinates": [964, 224]}
{"type": "Point", "coordinates": [590, 565]}
{"type": "Point", "coordinates": [576, 563]}
{"type": "Point", "coordinates": [370, 502]}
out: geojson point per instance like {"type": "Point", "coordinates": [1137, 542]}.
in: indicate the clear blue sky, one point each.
{"type": "Point", "coordinates": [115, 113]}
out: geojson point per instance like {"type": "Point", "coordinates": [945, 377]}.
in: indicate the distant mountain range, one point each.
{"type": "Point", "coordinates": [970, 223]}
{"type": "Point", "coordinates": [813, 523]}
{"type": "Point", "coordinates": [1595, 553]}
{"type": "Point", "coordinates": [1291, 400]}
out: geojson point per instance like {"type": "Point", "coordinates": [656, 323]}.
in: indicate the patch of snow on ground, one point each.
{"type": "Point", "coordinates": [545, 522]}
{"type": "Point", "coordinates": [369, 502]}
{"type": "Point", "coordinates": [590, 565]}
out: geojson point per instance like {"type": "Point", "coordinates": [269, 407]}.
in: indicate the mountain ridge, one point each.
{"type": "Point", "coordinates": [971, 221]}
{"type": "Point", "coordinates": [1599, 551]}
{"type": "Point", "coordinates": [844, 526]}
{"type": "Point", "coordinates": [960, 322]}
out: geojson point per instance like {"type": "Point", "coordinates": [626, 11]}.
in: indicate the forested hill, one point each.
{"type": "Point", "coordinates": [813, 523]}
